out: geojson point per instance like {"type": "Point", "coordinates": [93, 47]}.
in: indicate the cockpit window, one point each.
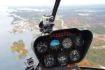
{"type": "Point", "coordinates": [19, 20]}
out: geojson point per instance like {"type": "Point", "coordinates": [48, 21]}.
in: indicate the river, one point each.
{"type": "Point", "coordinates": [9, 60]}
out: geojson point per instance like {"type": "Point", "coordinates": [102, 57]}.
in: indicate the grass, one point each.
{"type": "Point", "coordinates": [95, 58]}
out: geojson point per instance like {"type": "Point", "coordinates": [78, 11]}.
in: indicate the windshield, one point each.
{"type": "Point", "coordinates": [19, 21]}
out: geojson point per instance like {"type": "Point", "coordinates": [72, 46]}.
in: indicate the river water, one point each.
{"type": "Point", "coordinates": [9, 60]}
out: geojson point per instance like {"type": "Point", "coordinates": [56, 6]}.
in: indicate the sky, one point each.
{"type": "Point", "coordinates": [48, 2]}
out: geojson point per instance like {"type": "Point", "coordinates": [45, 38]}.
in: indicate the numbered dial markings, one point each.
{"type": "Point", "coordinates": [41, 47]}
{"type": "Point", "coordinates": [74, 55]}
{"type": "Point", "coordinates": [49, 61]}
{"type": "Point", "coordinates": [78, 41]}
{"type": "Point", "coordinates": [62, 59]}
{"type": "Point", "coordinates": [67, 43]}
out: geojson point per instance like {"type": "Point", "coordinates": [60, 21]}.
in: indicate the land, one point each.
{"type": "Point", "coordinates": [89, 18]}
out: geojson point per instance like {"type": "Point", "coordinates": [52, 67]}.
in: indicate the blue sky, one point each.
{"type": "Point", "coordinates": [48, 2]}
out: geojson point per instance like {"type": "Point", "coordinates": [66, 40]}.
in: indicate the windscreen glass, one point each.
{"type": "Point", "coordinates": [19, 21]}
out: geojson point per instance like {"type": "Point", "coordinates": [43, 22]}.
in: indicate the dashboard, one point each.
{"type": "Point", "coordinates": [62, 47]}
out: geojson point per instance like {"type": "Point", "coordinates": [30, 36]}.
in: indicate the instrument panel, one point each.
{"type": "Point", "coordinates": [62, 47]}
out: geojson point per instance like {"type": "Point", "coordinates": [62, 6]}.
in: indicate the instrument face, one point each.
{"type": "Point", "coordinates": [62, 47]}
{"type": "Point", "coordinates": [55, 44]}
{"type": "Point", "coordinates": [49, 61]}
{"type": "Point", "coordinates": [67, 43]}
{"type": "Point", "coordinates": [78, 40]}
{"type": "Point", "coordinates": [74, 55]}
{"type": "Point", "coordinates": [62, 59]}
{"type": "Point", "coordinates": [41, 47]}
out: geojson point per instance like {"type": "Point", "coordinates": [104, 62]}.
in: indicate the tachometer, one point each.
{"type": "Point", "coordinates": [67, 43]}
{"type": "Point", "coordinates": [74, 55]}
{"type": "Point", "coordinates": [49, 61]}
{"type": "Point", "coordinates": [41, 47]}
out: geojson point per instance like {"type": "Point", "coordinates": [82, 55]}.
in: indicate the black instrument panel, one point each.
{"type": "Point", "coordinates": [62, 47]}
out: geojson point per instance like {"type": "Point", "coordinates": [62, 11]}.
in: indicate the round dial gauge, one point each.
{"type": "Point", "coordinates": [74, 55]}
{"type": "Point", "coordinates": [41, 47]}
{"type": "Point", "coordinates": [67, 43]}
{"type": "Point", "coordinates": [62, 59]}
{"type": "Point", "coordinates": [49, 61]}
{"type": "Point", "coordinates": [79, 41]}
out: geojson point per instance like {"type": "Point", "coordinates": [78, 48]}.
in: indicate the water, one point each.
{"type": "Point", "coordinates": [9, 60]}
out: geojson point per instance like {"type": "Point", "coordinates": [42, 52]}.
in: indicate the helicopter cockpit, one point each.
{"type": "Point", "coordinates": [34, 35]}
{"type": "Point", "coordinates": [61, 49]}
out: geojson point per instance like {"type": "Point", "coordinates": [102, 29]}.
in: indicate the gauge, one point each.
{"type": "Point", "coordinates": [62, 59]}
{"type": "Point", "coordinates": [49, 61]}
{"type": "Point", "coordinates": [67, 43]}
{"type": "Point", "coordinates": [55, 44]}
{"type": "Point", "coordinates": [42, 47]}
{"type": "Point", "coordinates": [74, 55]}
{"type": "Point", "coordinates": [79, 41]}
